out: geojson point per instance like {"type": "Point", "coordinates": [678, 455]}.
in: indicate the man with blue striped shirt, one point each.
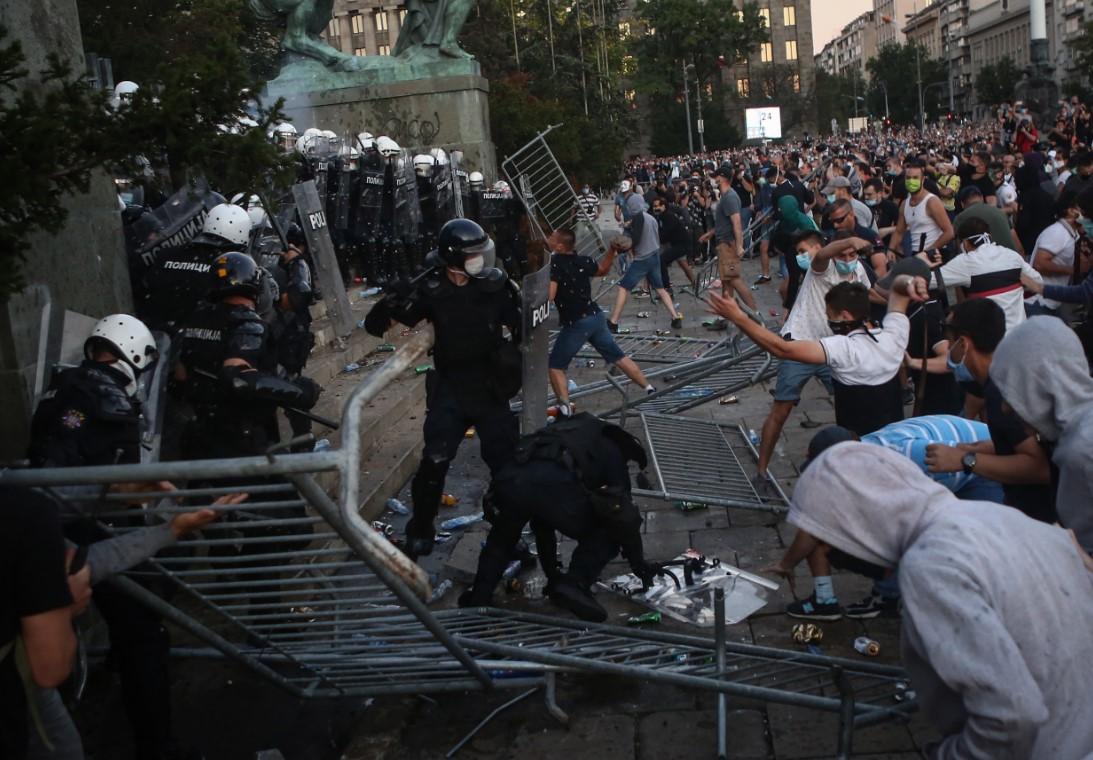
{"type": "Point", "coordinates": [911, 438]}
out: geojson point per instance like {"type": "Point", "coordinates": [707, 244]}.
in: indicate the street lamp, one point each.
{"type": "Point", "coordinates": [884, 86]}
{"type": "Point", "coordinates": [687, 106]}
{"type": "Point", "coordinates": [918, 80]}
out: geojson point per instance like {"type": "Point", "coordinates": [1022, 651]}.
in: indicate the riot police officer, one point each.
{"type": "Point", "coordinates": [228, 371]}
{"type": "Point", "coordinates": [294, 339]}
{"type": "Point", "coordinates": [177, 280]}
{"type": "Point", "coordinates": [477, 370]}
{"type": "Point", "coordinates": [572, 477]}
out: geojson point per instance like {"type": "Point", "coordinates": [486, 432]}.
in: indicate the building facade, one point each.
{"type": "Point", "coordinates": [852, 48]}
{"type": "Point", "coordinates": [890, 15]}
{"type": "Point", "coordinates": [1000, 29]}
{"type": "Point", "coordinates": [365, 27]}
{"type": "Point", "coordinates": [924, 28]}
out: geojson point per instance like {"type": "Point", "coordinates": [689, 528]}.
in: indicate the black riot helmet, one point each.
{"type": "Point", "coordinates": [234, 274]}
{"type": "Point", "coordinates": [461, 239]}
{"type": "Point", "coordinates": [294, 235]}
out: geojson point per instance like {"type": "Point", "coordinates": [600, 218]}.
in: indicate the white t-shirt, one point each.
{"type": "Point", "coordinates": [996, 271]}
{"type": "Point", "coordinates": [808, 318]}
{"type": "Point", "coordinates": [868, 358]}
{"type": "Point", "coordinates": [1058, 240]}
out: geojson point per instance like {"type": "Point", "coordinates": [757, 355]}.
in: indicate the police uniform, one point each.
{"type": "Point", "coordinates": [571, 477]}
{"type": "Point", "coordinates": [476, 374]}
{"type": "Point", "coordinates": [87, 418]}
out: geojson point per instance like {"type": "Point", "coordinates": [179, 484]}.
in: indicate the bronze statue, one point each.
{"type": "Point", "coordinates": [431, 27]}
{"type": "Point", "coordinates": [304, 20]}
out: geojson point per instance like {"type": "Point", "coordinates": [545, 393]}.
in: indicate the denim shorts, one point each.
{"type": "Point", "coordinates": [639, 269]}
{"type": "Point", "coordinates": [591, 329]}
{"type": "Point", "coordinates": [792, 377]}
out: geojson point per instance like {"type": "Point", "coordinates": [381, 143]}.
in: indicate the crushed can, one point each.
{"type": "Point", "coordinates": [421, 369]}
{"type": "Point", "coordinates": [690, 506]}
{"type": "Point", "coordinates": [469, 434]}
{"type": "Point", "coordinates": [728, 400]}
{"type": "Point", "coordinates": [385, 348]}
{"type": "Point", "coordinates": [644, 315]}
{"type": "Point", "coordinates": [867, 646]}
{"type": "Point", "coordinates": [664, 333]}
{"type": "Point", "coordinates": [591, 364]}
{"type": "Point", "coordinates": [449, 500]}
{"type": "Point", "coordinates": [807, 633]}
{"type": "Point", "coordinates": [648, 617]}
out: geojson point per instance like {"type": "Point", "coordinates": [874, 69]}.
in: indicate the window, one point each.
{"type": "Point", "coordinates": [766, 52]}
{"type": "Point", "coordinates": [333, 30]}
{"type": "Point", "coordinates": [791, 50]}
{"type": "Point", "coordinates": [629, 64]}
{"type": "Point", "coordinates": [360, 51]}
{"type": "Point", "coordinates": [764, 13]}
{"type": "Point", "coordinates": [796, 82]}
{"type": "Point", "coordinates": [624, 28]}
{"type": "Point", "coordinates": [789, 16]}
{"type": "Point", "coordinates": [401, 17]}
{"type": "Point", "coordinates": [356, 23]}
{"type": "Point", "coordinates": [630, 95]}
{"type": "Point", "coordinates": [381, 21]}
{"type": "Point", "coordinates": [743, 88]}
{"type": "Point", "coordinates": [385, 50]}
{"type": "Point", "coordinates": [650, 31]}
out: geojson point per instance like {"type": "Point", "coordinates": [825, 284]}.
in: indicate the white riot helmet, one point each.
{"type": "Point", "coordinates": [257, 216]}
{"type": "Point", "coordinates": [129, 339]}
{"type": "Point", "coordinates": [124, 92]}
{"type": "Point", "coordinates": [332, 139]}
{"type": "Point", "coordinates": [440, 156]}
{"type": "Point", "coordinates": [423, 165]}
{"type": "Point", "coordinates": [477, 180]}
{"type": "Point", "coordinates": [228, 222]}
{"type": "Point", "coordinates": [500, 186]}
{"type": "Point", "coordinates": [387, 147]}
{"type": "Point", "coordinates": [309, 141]}
{"type": "Point", "coordinates": [284, 134]}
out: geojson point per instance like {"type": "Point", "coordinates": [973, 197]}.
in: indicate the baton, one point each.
{"type": "Point", "coordinates": [325, 421]}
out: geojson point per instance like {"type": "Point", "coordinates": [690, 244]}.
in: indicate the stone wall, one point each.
{"type": "Point", "coordinates": [82, 269]}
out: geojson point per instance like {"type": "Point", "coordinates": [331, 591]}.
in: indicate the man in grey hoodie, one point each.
{"type": "Point", "coordinates": [1042, 373]}
{"type": "Point", "coordinates": [997, 607]}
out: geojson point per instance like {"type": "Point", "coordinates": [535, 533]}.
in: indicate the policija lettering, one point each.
{"type": "Point", "coordinates": [422, 130]}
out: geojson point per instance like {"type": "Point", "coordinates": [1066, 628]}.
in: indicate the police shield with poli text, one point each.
{"type": "Point", "coordinates": [571, 476]}
{"type": "Point", "coordinates": [477, 369]}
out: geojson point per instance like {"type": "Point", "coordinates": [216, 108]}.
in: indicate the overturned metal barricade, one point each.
{"type": "Point", "coordinates": [707, 462]}
{"type": "Point", "coordinates": [657, 349]}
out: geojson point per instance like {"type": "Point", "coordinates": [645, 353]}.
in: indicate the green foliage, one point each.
{"type": "Point", "coordinates": [895, 66]}
{"type": "Point", "coordinates": [705, 35]}
{"type": "Point", "coordinates": [835, 95]}
{"type": "Point", "coordinates": [55, 131]}
{"type": "Point", "coordinates": [548, 88]}
{"type": "Point", "coordinates": [995, 82]}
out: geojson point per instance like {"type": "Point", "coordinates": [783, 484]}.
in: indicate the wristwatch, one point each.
{"type": "Point", "coordinates": [968, 463]}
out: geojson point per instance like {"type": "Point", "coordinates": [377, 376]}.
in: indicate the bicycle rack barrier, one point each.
{"type": "Point", "coordinates": [655, 349]}
{"type": "Point", "coordinates": [295, 586]}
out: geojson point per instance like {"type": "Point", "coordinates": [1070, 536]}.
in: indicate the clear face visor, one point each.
{"type": "Point", "coordinates": [480, 258]}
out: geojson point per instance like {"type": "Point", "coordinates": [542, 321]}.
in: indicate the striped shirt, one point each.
{"type": "Point", "coordinates": [588, 207]}
{"type": "Point", "coordinates": [911, 437]}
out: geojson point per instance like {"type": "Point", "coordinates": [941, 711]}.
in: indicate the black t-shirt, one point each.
{"type": "Point", "coordinates": [941, 394]}
{"type": "Point", "coordinates": [1007, 433]}
{"type": "Point", "coordinates": [886, 213]}
{"type": "Point", "coordinates": [32, 581]}
{"type": "Point", "coordinates": [574, 274]}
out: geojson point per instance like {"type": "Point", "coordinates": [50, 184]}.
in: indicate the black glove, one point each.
{"type": "Point", "coordinates": [646, 571]}
{"type": "Point", "coordinates": [400, 289]}
{"type": "Point", "coordinates": [310, 390]}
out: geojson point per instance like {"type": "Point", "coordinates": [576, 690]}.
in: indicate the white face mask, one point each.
{"type": "Point", "coordinates": [474, 265]}
{"type": "Point", "coordinates": [126, 369]}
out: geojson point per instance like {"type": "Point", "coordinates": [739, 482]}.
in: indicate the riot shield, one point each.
{"type": "Point", "coordinates": [370, 200]}
{"type": "Point", "coordinates": [535, 348]}
{"type": "Point", "coordinates": [406, 206]}
{"type": "Point", "coordinates": [442, 193]}
{"type": "Point", "coordinates": [313, 221]}
{"type": "Point", "coordinates": [179, 219]}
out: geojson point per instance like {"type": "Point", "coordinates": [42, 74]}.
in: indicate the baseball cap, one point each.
{"type": "Point", "coordinates": [624, 186]}
{"type": "Point", "coordinates": [834, 183]}
{"type": "Point", "coordinates": [725, 170]}
{"type": "Point", "coordinates": [911, 265]}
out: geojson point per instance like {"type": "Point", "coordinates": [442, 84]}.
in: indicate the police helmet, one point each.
{"type": "Point", "coordinates": [477, 180]}
{"type": "Point", "coordinates": [294, 235]}
{"type": "Point", "coordinates": [440, 156]}
{"type": "Point", "coordinates": [234, 274]}
{"type": "Point", "coordinates": [423, 164]}
{"type": "Point", "coordinates": [124, 336]}
{"type": "Point", "coordinates": [387, 147]}
{"type": "Point", "coordinates": [228, 222]}
{"type": "Point", "coordinates": [460, 239]}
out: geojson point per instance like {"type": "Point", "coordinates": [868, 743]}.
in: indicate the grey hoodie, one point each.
{"type": "Point", "coordinates": [997, 608]}
{"type": "Point", "coordinates": [1041, 371]}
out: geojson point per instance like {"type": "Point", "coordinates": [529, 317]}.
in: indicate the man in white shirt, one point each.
{"type": "Point", "coordinates": [825, 267]}
{"type": "Point", "coordinates": [1053, 254]}
{"type": "Point", "coordinates": [864, 361]}
{"type": "Point", "coordinates": [987, 270]}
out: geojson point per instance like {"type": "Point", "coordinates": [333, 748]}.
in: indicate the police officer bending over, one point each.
{"type": "Point", "coordinates": [571, 476]}
{"type": "Point", "coordinates": [477, 370]}
{"type": "Point", "coordinates": [227, 369]}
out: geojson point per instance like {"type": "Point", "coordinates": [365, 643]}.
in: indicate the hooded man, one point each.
{"type": "Point", "coordinates": [990, 645]}
{"type": "Point", "coordinates": [1042, 373]}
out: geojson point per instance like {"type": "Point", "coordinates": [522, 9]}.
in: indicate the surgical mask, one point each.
{"type": "Point", "coordinates": [839, 327]}
{"type": "Point", "coordinates": [804, 260]}
{"type": "Point", "coordinates": [912, 185]}
{"type": "Point", "coordinates": [474, 265]}
{"type": "Point", "coordinates": [871, 202]}
{"type": "Point", "coordinates": [846, 267]}
{"type": "Point", "coordinates": [127, 369]}
{"type": "Point", "coordinates": [1059, 164]}
{"type": "Point", "coordinates": [960, 372]}
{"type": "Point", "coordinates": [830, 197]}
{"type": "Point", "coordinates": [584, 190]}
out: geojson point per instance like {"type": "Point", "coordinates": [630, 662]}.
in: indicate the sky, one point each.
{"type": "Point", "coordinates": [830, 16]}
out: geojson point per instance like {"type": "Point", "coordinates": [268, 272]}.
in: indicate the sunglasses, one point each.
{"type": "Point", "coordinates": [840, 220]}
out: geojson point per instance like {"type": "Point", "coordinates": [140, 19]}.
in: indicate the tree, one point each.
{"type": "Point", "coordinates": [704, 36]}
{"type": "Point", "coordinates": [894, 68]}
{"type": "Point", "coordinates": [995, 82]}
{"type": "Point", "coordinates": [835, 96]}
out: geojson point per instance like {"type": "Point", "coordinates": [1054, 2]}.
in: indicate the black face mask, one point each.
{"type": "Point", "coordinates": [840, 327]}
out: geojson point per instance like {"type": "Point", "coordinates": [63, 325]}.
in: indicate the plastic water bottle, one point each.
{"type": "Point", "coordinates": [351, 368]}
{"type": "Point", "coordinates": [439, 591]}
{"type": "Point", "coordinates": [572, 385]}
{"type": "Point", "coordinates": [398, 507]}
{"type": "Point", "coordinates": [322, 444]}
{"type": "Point", "coordinates": [360, 324]}
{"type": "Point", "coordinates": [753, 437]}
{"type": "Point", "coordinates": [533, 587]}
{"type": "Point", "coordinates": [462, 522]}
{"type": "Point", "coordinates": [370, 292]}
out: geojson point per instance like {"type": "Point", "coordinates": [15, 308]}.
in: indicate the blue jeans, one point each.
{"type": "Point", "coordinates": [591, 329]}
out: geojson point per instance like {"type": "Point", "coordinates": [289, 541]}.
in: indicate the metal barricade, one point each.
{"type": "Point", "coordinates": [656, 349]}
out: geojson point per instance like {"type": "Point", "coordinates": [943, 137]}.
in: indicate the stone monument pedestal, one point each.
{"type": "Point", "coordinates": [418, 102]}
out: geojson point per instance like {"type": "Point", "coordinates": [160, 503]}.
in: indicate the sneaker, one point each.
{"type": "Point", "coordinates": [613, 327]}
{"type": "Point", "coordinates": [567, 410]}
{"type": "Point", "coordinates": [677, 323]}
{"type": "Point", "coordinates": [650, 390]}
{"type": "Point", "coordinates": [762, 279]}
{"type": "Point", "coordinates": [873, 606]}
{"type": "Point", "coordinates": [810, 609]}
